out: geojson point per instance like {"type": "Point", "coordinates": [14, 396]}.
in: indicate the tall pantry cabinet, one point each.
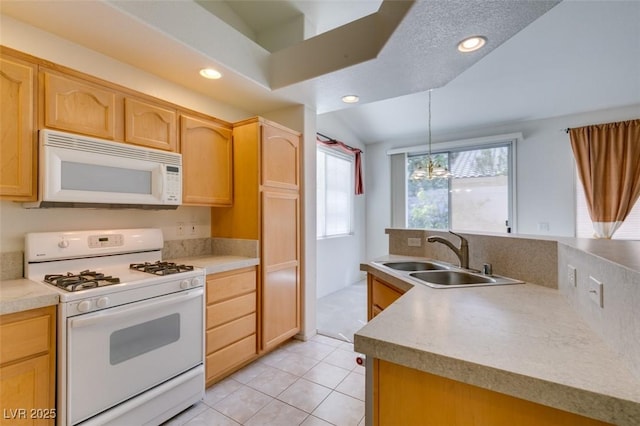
{"type": "Point", "coordinates": [266, 207]}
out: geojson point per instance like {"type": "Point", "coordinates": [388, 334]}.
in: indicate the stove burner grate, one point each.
{"type": "Point", "coordinates": [161, 268]}
{"type": "Point", "coordinates": [80, 281]}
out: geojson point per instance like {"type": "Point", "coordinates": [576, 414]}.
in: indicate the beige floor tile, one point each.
{"type": "Point", "coordinates": [220, 390]}
{"type": "Point", "coordinates": [296, 364]}
{"type": "Point", "coordinates": [326, 374]}
{"type": "Point", "coordinates": [314, 421]}
{"type": "Point", "coordinates": [211, 417]}
{"type": "Point", "coordinates": [277, 413]}
{"type": "Point", "coordinates": [312, 349]}
{"type": "Point", "coordinates": [304, 395]}
{"type": "Point", "coordinates": [272, 381]}
{"type": "Point", "coordinates": [341, 410]}
{"type": "Point", "coordinates": [326, 340]}
{"type": "Point", "coordinates": [342, 358]}
{"type": "Point", "coordinates": [352, 385]}
{"type": "Point", "coordinates": [250, 372]}
{"type": "Point", "coordinates": [273, 358]}
{"type": "Point", "coordinates": [242, 404]}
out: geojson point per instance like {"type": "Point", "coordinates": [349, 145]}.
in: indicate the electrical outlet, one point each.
{"type": "Point", "coordinates": [596, 291]}
{"type": "Point", "coordinates": [571, 275]}
{"type": "Point", "coordinates": [414, 242]}
{"type": "Point", "coordinates": [192, 228]}
{"type": "Point", "coordinates": [180, 228]}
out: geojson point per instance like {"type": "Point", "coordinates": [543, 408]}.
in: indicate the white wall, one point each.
{"type": "Point", "coordinates": [338, 259]}
{"type": "Point", "coordinates": [545, 172]}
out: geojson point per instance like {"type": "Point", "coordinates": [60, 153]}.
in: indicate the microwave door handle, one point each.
{"type": "Point", "coordinates": [119, 313]}
{"type": "Point", "coordinates": [161, 180]}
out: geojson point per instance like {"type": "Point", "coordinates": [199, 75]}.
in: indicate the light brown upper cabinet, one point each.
{"type": "Point", "coordinates": [78, 106]}
{"type": "Point", "coordinates": [150, 125]}
{"type": "Point", "coordinates": [18, 143]}
{"type": "Point", "coordinates": [207, 162]}
{"type": "Point", "coordinates": [280, 154]}
{"type": "Point", "coordinates": [267, 208]}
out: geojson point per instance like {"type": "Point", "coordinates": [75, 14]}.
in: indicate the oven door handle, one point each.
{"type": "Point", "coordinates": [136, 309]}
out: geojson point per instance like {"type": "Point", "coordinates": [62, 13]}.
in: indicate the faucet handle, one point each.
{"type": "Point", "coordinates": [487, 269]}
{"type": "Point", "coordinates": [462, 239]}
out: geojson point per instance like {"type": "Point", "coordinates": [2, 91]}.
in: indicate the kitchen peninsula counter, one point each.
{"type": "Point", "coordinates": [522, 340]}
{"type": "Point", "coordinates": [23, 294]}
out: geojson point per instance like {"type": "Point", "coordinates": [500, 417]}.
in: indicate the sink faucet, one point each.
{"type": "Point", "coordinates": [462, 252]}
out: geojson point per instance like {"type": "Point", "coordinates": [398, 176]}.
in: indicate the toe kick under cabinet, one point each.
{"type": "Point", "coordinates": [231, 322]}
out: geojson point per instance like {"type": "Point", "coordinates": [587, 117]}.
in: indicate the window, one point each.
{"type": "Point", "coordinates": [335, 193]}
{"type": "Point", "coordinates": [476, 198]}
{"type": "Point", "coordinates": [629, 230]}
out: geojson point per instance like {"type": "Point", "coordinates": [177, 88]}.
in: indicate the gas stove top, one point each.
{"type": "Point", "coordinates": [80, 281]}
{"type": "Point", "coordinates": [93, 264]}
{"type": "Point", "coordinates": [88, 279]}
{"type": "Point", "coordinates": [161, 268]}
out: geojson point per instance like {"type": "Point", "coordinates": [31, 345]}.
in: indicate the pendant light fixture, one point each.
{"type": "Point", "coordinates": [432, 169]}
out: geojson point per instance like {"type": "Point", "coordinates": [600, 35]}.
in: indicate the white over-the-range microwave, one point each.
{"type": "Point", "coordinates": [81, 171]}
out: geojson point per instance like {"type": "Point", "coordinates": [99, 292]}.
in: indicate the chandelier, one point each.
{"type": "Point", "coordinates": [432, 168]}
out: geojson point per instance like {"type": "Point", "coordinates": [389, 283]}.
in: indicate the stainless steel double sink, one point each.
{"type": "Point", "coordinates": [443, 275]}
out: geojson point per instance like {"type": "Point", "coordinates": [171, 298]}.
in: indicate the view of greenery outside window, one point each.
{"type": "Point", "coordinates": [335, 192]}
{"type": "Point", "coordinates": [475, 198]}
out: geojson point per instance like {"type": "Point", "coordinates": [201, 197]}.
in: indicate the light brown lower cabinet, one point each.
{"type": "Point", "coordinates": [380, 294]}
{"type": "Point", "coordinates": [404, 396]}
{"type": "Point", "coordinates": [231, 322]}
{"type": "Point", "coordinates": [27, 367]}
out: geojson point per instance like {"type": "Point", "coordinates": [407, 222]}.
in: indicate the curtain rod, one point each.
{"type": "Point", "coordinates": [332, 140]}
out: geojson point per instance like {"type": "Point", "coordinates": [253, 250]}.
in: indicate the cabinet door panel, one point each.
{"type": "Point", "coordinates": [280, 227]}
{"type": "Point", "coordinates": [280, 305]}
{"type": "Point", "coordinates": [150, 125]}
{"type": "Point", "coordinates": [222, 361]}
{"type": "Point", "coordinates": [223, 312]}
{"type": "Point", "coordinates": [226, 334]}
{"type": "Point", "coordinates": [17, 130]}
{"type": "Point", "coordinates": [25, 386]}
{"type": "Point", "coordinates": [206, 148]}
{"type": "Point", "coordinates": [226, 287]}
{"type": "Point", "coordinates": [79, 107]}
{"type": "Point", "coordinates": [280, 158]}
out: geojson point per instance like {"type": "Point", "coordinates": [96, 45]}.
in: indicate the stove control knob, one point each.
{"type": "Point", "coordinates": [103, 302]}
{"type": "Point", "coordinates": [63, 244]}
{"type": "Point", "coordinates": [195, 282]}
{"type": "Point", "coordinates": [184, 284]}
{"type": "Point", "coordinates": [84, 306]}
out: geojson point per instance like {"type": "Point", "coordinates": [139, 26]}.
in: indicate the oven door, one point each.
{"type": "Point", "coordinates": [120, 352]}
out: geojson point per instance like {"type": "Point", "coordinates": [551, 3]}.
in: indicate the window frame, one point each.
{"type": "Point", "coordinates": [510, 140]}
{"type": "Point", "coordinates": [351, 192]}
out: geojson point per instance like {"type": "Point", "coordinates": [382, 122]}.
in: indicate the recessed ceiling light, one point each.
{"type": "Point", "coordinates": [471, 44]}
{"type": "Point", "coordinates": [210, 73]}
{"type": "Point", "coordinates": [350, 99]}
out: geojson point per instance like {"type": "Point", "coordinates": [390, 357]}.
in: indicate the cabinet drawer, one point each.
{"type": "Point", "coordinates": [23, 338]}
{"type": "Point", "coordinates": [383, 295]}
{"type": "Point", "coordinates": [224, 335]}
{"type": "Point", "coordinates": [226, 287]}
{"type": "Point", "coordinates": [227, 358]}
{"type": "Point", "coordinates": [223, 312]}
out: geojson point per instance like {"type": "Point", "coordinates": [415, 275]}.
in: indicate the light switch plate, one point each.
{"type": "Point", "coordinates": [571, 275]}
{"type": "Point", "coordinates": [414, 242]}
{"type": "Point", "coordinates": [596, 291]}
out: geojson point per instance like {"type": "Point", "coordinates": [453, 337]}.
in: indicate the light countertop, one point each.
{"type": "Point", "coordinates": [522, 340]}
{"type": "Point", "coordinates": [23, 294]}
{"type": "Point", "coordinates": [213, 264]}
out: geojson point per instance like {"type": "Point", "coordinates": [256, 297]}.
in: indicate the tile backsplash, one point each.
{"type": "Point", "coordinates": [529, 259]}
{"type": "Point", "coordinates": [12, 263]}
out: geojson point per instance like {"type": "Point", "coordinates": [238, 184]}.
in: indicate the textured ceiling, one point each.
{"type": "Point", "coordinates": [541, 60]}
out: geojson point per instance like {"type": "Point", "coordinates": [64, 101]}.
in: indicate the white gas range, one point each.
{"type": "Point", "coordinates": [130, 327]}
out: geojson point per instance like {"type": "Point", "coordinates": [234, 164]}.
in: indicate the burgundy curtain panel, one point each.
{"type": "Point", "coordinates": [608, 161]}
{"type": "Point", "coordinates": [357, 153]}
